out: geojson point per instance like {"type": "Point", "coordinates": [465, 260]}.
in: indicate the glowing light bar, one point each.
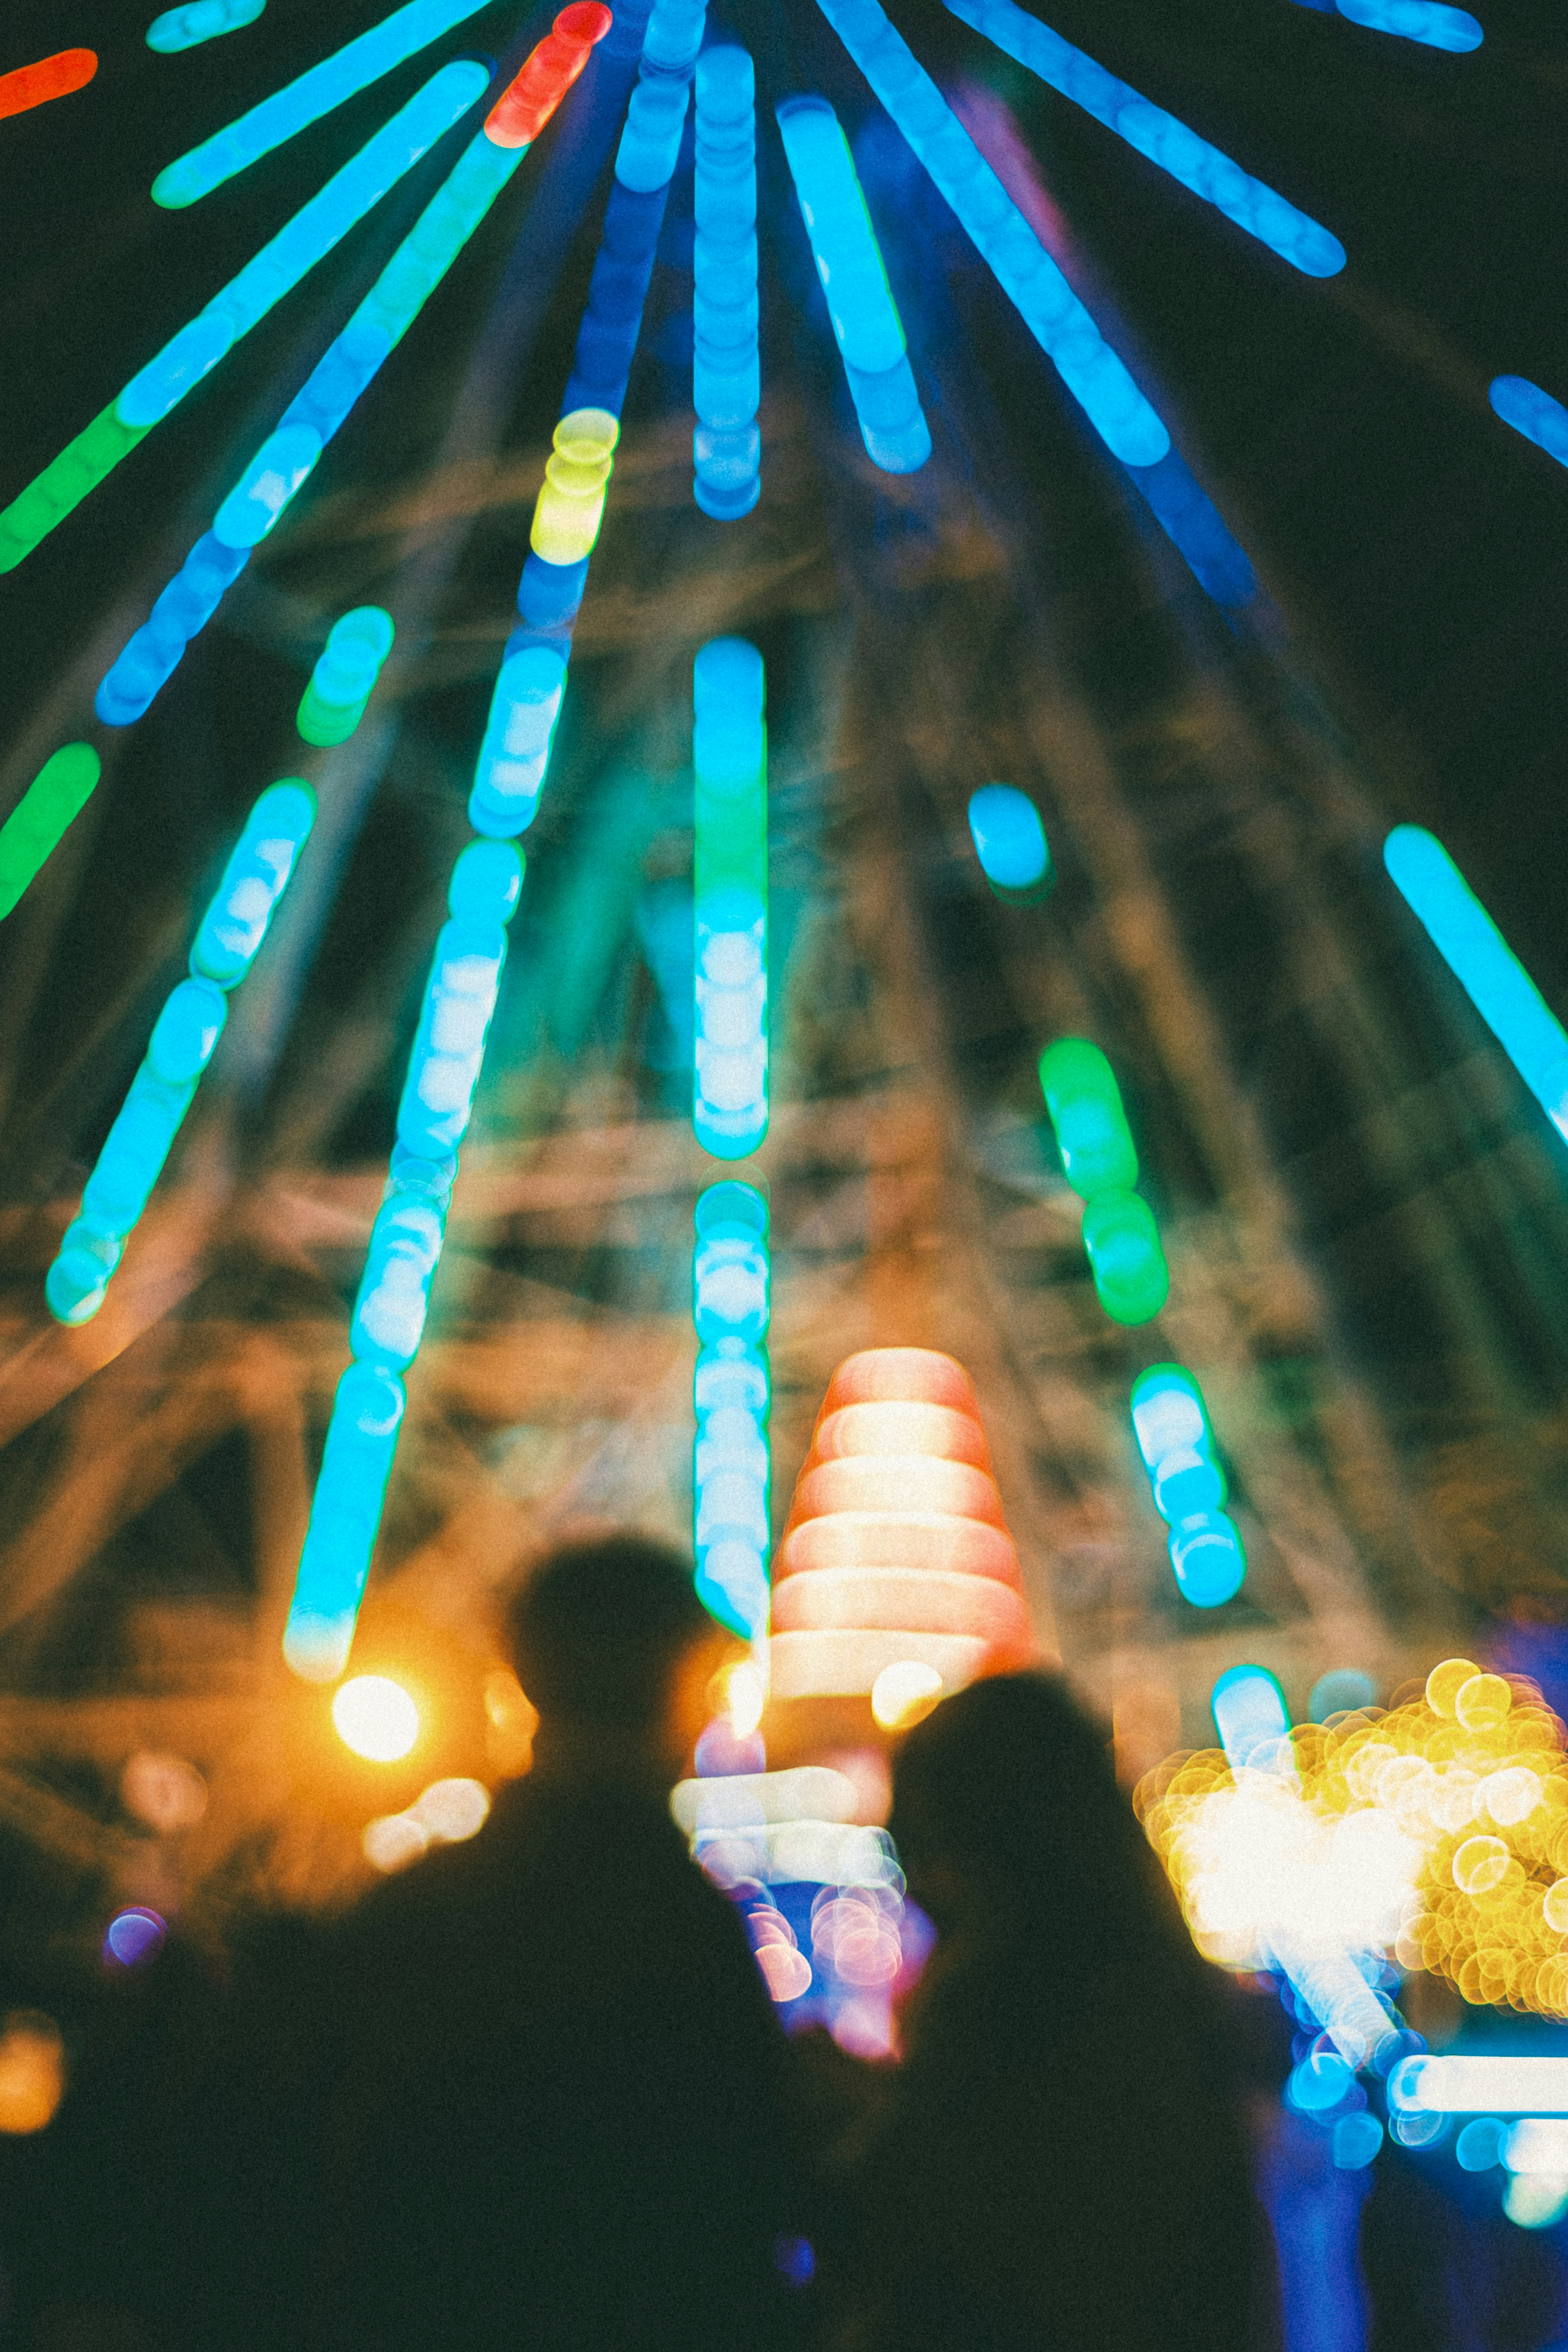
{"type": "Point", "coordinates": [896, 1552]}
{"type": "Point", "coordinates": [1531, 412]}
{"type": "Point", "coordinates": [57, 77]}
{"type": "Point", "coordinates": [532, 95]}
{"type": "Point", "coordinates": [792, 1854]}
{"type": "Point", "coordinates": [866, 322]}
{"type": "Point", "coordinates": [1171, 1422]}
{"type": "Point", "coordinates": [200, 20]}
{"type": "Point", "coordinates": [570, 507]}
{"type": "Point", "coordinates": [1010, 842]}
{"type": "Point", "coordinates": [299, 103]}
{"type": "Point", "coordinates": [1026, 272]}
{"type": "Point", "coordinates": [56, 794]}
{"type": "Point", "coordinates": [656, 115]}
{"type": "Point", "coordinates": [1496, 2086]}
{"type": "Point", "coordinates": [729, 1097]}
{"type": "Point", "coordinates": [1484, 964]}
{"type": "Point", "coordinates": [1131, 1276]}
{"type": "Point", "coordinates": [314, 230]}
{"type": "Point", "coordinates": [344, 678]}
{"type": "Point", "coordinates": [731, 1467]}
{"type": "Point", "coordinates": [742, 1800]}
{"type": "Point", "coordinates": [181, 1047]}
{"type": "Point", "coordinates": [1252, 1719]}
{"type": "Point", "coordinates": [152, 654]}
{"type": "Point", "coordinates": [1417, 20]}
{"type": "Point", "coordinates": [726, 379]}
{"type": "Point", "coordinates": [400, 1263]}
{"type": "Point", "coordinates": [1208, 171]}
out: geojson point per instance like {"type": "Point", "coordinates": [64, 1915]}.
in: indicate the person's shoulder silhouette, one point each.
{"type": "Point", "coordinates": [558, 2120]}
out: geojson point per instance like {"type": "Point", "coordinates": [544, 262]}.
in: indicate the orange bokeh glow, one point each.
{"type": "Point", "coordinates": [897, 1550]}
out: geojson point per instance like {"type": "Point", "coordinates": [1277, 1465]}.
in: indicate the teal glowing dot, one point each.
{"type": "Point", "coordinates": [1132, 1279]}
{"type": "Point", "coordinates": [1484, 964]}
{"type": "Point", "coordinates": [1320, 2082]}
{"type": "Point", "coordinates": [1208, 1559]}
{"type": "Point", "coordinates": [1531, 412]}
{"type": "Point", "coordinates": [1010, 840]}
{"type": "Point", "coordinates": [303, 102]}
{"type": "Point", "coordinates": [1091, 1130]}
{"type": "Point", "coordinates": [1341, 1692]}
{"type": "Point", "coordinates": [343, 678]}
{"type": "Point", "coordinates": [198, 21]}
{"type": "Point", "coordinates": [1250, 1716]}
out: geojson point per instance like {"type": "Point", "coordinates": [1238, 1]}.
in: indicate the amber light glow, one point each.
{"type": "Point", "coordinates": [896, 1565]}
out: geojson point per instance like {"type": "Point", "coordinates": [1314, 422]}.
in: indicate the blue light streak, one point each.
{"type": "Point", "coordinates": [1171, 1422]}
{"type": "Point", "coordinates": [1009, 840]}
{"type": "Point", "coordinates": [302, 242]}
{"type": "Point", "coordinates": [304, 101]}
{"type": "Point", "coordinates": [731, 1464]}
{"type": "Point", "coordinates": [730, 1096]}
{"type": "Point", "coordinates": [1026, 272]}
{"type": "Point", "coordinates": [1485, 966]}
{"type": "Point", "coordinates": [1205, 170]}
{"type": "Point", "coordinates": [152, 654]}
{"type": "Point", "coordinates": [866, 322]}
{"type": "Point", "coordinates": [1531, 412]}
{"type": "Point", "coordinates": [1418, 20]}
{"type": "Point", "coordinates": [1252, 1718]}
{"type": "Point", "coordinates": [400, 1263]}
{"type": "Point", "coordinates": [655, 114]}
{"type": "Point", "coordinates": [726, 378]}
{"type": "Point", "coordinates": [200, 20]}
{"type": "Point", "coordinates": [182, 1044]}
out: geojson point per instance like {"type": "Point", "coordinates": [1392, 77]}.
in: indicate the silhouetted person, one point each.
{"type": "Point", "coordinates": [558, 2123]}
{"type": "Point", "coordinates": [1057, 2162]}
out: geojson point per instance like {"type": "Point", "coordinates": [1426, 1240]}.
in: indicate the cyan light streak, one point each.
{"type": "Point", "coordinates": [730, 1466]}
{"type": "Point", "coordinates": [191, 354]}
{"type": "Point", "coordinates": [1531, 412]}
{"type": "Point", "coordinates": [1417, 20]}
{"type": "Point", "coordinates": [1209, 174]}
{"type": "Point", "coordinates": [304, 101]}
{"type": "Point", "coordinates": [729, 1093]}
{"type": "Point", "coordinates": [866, 322]}
{"type": "Point", "coordinates": [181, 1047]}
{"type": "Point", "coordinates": [1026, 272]}
{"type": "Point", "coordinates": [656, 115]}
{"type": "Point", "coordinates": [200, 20]}
{"type": "Point", "coordinates": [1171, 1422]}
{"type": "Point", "coordinates": [344, 678]}
{"type": "Point", "coordinates": [1252, 1719]}
{"type": "Point", "coordinates": [448, 1049]}
{"type": "Point", "coordinates": [404, 1248]}
{"type": "Point", "coordinates": [152, 654]}
{"type": "Point", "coordinates": [726, 379]}
{"type": "Point", "coordinates": [1009, 840]}
{"type": "Point", "coordinates": [1483, 964]}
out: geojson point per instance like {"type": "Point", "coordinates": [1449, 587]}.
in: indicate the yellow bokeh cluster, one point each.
{"type": "Point", "coordinates": [1438, 1831]}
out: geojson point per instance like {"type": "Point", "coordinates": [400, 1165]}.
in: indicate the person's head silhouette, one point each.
{"type": "Point", "coordinates": [616, 1651]}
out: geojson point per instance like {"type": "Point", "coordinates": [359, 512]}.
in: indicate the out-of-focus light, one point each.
{"type": "Point", "coordinates": [532, 95]}
{"type": "Point", "coordinates": [1252, 1718]}
{"type": "Point", "coordinates": [25, 86]}
{"type": "Point", "coordinates": [1009, 840]}
{"type": "Point", "coordinates": [650, 143]}
{"type": "Point", "coordinates": [32, 2072]}
{"type": "Point", "coordinates": [1484, 964]}
{"type": "Point", "coordinates": [728, 744]}
{"type": "Point", "coordinates": [133, 1936]}
{"type": "Point", "coordinates": [1340, 1692]}
{"type": "Point", "coordinates": [786, 1972]}
{"type": "Point", "coordinates": [1131, 1276]}
{"type": "Point", "coordinates": [1434, 26]}
{"type": "Point", "coordinates": [1538, 2144]}
{"type": "Point", "coordinates": [1531, 412]}
{"type": "Point", "coordinates": [453, 1810]}
{"type": "Point", "coordinates": [343, 678]}
{"type": "Point", "coordinates": [165, 1791]}
{"type": "Point", "coordinates": [866, 323]}
{"type": "Point", "coordinates": [1171, 1422]}
{"type": "Point", "coordinates": [184, 1039]}
{"type": "Point", "coordinates": [570, 507]}
{"type": "Point", "coordinates": [304, 100]}
{"type": "Point", "coordinates": [1480, 2086]}
{"type": "Point", "coordinates": [1026, 272]}
{"type": "Point", "coordinates": [896, 1552]}
{"type": "Point", "coordinates": [1536, 2200]}
{"type": "Point", "coordinates": [394, 1841]}
{"type": "Point", "coordinates": [1355, 2141]}
{"type": "Point", "coordinates": [1167, 143]}
{"type": "Point", "coordinates": [200, 20]}
{"type": "Point", "coordinates": [152, 654]}
{"type": "Point", "coordinates": [726, 386]}
{"type": "Point", "coordinates": [511, 1722]}
{"type": "Point", "coordinates": [1444, 1683]}
{"type": "Point", "coordinates": [1479, 2145]}
{"type": "Point", "coordinates": [810, 1793]}
{"type": "Point", "coordinates": [745, 1699]}
{"type": "Point", "coordinates": [57, 792]}
{"type": "Point", "coordinates": [375, 1717]}
{"type": "Point", "coordinates": [732, 1467]}
{"type": "Point", "coordinates": [904, 1693]}
{"type": "Point", "coordinates": [796, 2260]}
